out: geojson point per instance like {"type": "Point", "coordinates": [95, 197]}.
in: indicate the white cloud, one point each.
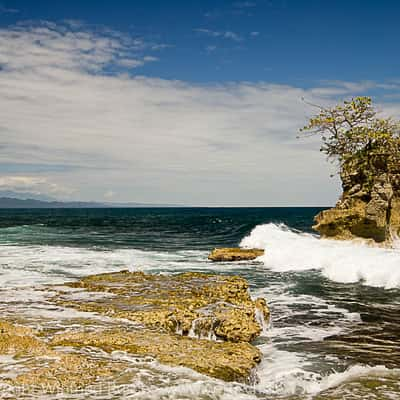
{"type": "Point", "coordinates": [66, 46]}
{"type": "Point", "coordinates": [221, 34]}
{"type": "Point", "coordinates": [33, 184]}
{"type": "Point", "coordinates": [148, 139]}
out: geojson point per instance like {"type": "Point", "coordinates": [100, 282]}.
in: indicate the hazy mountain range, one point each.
{"type": "Point", "coordinates": [11, 199]}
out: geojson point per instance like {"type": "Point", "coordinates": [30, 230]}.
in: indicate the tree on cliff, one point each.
{"type": "Point", "coordinates": [367, 150]}
{"type": "Point", "coordinates": [354, 136]}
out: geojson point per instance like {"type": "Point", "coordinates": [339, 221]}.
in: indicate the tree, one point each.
{"type": "Point", "coordinates": [353, 135]}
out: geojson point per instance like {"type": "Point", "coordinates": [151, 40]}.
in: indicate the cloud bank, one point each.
{"type": "Point", "coordinates": [73, 106]}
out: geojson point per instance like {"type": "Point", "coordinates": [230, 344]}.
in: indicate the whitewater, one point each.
{"type": "Point", "coordinates": [340, 261]}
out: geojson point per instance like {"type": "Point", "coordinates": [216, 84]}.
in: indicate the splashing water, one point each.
{"type": "Point", "coordinates": [346, 262]}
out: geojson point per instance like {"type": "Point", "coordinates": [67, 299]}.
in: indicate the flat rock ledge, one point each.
{"type": "Point", "coordinates": [201, 321]}
{"type": "Point", "coordinates": [44, 369]}
{"type": "Point", "coordinates": [222, 360]}
{"type": "Point", "coordinates": [235, 254]}
{"type": "Point", "coordinates": [198, 305]}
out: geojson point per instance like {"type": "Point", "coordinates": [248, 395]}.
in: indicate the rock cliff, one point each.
{"type": "Point", "coordinates": [369, 207]}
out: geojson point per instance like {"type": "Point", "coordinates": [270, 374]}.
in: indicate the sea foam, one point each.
{"type": "Point", "coordinates": [340, 261]}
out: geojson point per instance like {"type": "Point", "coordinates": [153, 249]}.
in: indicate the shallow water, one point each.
{"type": "Point", "coordinates": [335, 329]}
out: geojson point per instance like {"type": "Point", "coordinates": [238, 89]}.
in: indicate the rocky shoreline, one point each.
{"type": "Point", "coordinates": [204, 322]}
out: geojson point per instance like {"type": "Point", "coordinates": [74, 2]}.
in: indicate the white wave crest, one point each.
{"type": "Point", "coordinates": [340, 261]}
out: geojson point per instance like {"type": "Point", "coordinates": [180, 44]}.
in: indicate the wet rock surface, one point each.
{"type": "Point", "coordinates": [234, 254]}
{"type": "Point", "coordinates": [223, 360]}
{"type": "Point", "coordinates": [41, 368]}
{"type": "Point", "coordinates": [200, 321]}
{"type": "Point", "coordinates": [190, 304]}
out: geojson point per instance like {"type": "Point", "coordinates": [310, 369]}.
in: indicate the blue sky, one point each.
{"type": "Point", "coordinates": [190, 102]}
{"type": "Point", "coordinates": [297, 42]}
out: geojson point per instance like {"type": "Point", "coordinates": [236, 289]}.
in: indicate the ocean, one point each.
{"type": "Point", "coordinates": [335, 326]}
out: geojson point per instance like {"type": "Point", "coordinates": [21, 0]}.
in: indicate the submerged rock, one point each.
{"type": "Point", "coordinates": [235, 254]}
{"type": "Point", "coordinates": [369, 207]}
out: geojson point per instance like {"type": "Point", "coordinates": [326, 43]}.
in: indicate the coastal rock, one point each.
{"type": "Point", "coordinates": [222, 360]}
{"type": "Point", "coordinates": [190, 304]}
{"type": "Point", "coordinates": [20, 340]}
{"type": "Point", "coordinates": [45, 370]}
{"type": "Point", "coordinates": [369, 207]}
{"type": "Point", "coordinates": [235, 254]}
{"type": "Point", "coordinates": [201, 321]}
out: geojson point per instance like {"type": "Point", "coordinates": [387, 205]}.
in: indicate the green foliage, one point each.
{"type": "Point", "coordinates": [352, 134]}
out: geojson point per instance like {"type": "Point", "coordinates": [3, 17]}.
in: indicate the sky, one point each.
{"type": "Point", "coordinates": [185, 102]}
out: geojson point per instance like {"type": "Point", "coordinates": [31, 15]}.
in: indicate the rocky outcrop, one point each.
{"type": "Point", "coordinates": [190, 304]}
{"type": "Point", "coordinates": [201, 321]}
{"type": "Point", "coordinates": [235, 254]}
{"type": "Point", "coordinates": [369, 207]}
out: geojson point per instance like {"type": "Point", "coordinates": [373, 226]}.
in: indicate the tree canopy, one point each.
{"type": "Point", "coordinates": [353, 134]}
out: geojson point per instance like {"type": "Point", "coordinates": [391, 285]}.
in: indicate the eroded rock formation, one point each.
{"type": "Point", "coordinates": [200, 321]}
{"type": "Point", "coordinates": [369, 207]}
{"type": "Point", "coordinates": [190, 304]}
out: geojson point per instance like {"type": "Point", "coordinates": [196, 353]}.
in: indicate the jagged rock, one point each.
{"type": "Point", "coordinates": [195, 304]}
{"type": "Point", "coordinates": [235, 254]}
{"type": "Point", "coordinates": [369, 207]}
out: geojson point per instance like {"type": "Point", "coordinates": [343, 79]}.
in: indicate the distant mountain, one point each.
{"type": "Point", "coordinates": [25, 195]}
{"type": "Point", "coordinates": [10, 202]}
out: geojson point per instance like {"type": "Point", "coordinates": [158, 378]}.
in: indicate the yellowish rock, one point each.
{"type": "Point", "coordinates": [20, 341]}
{"type": "Point", "coordinates": [369, 208]}
{"type": "Point", "coordinates": [235, 254]}
{"type": "Point", "coordinates": [66, 373]}
{"type": "Point", "coordinates": [200, 321]}
{"type": "Point", "coordinates": [223, 360]}
{"type": "Point", "coordinates": [195, 304]}
{"type": "Point", "coordinates": [45, 370]}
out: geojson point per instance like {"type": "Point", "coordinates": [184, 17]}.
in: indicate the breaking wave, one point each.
{"type": "Point", "coordinates": [345, 262]}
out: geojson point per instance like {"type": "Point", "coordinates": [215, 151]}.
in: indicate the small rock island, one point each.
{"type": "Point", "coordinates": [367, 151]}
